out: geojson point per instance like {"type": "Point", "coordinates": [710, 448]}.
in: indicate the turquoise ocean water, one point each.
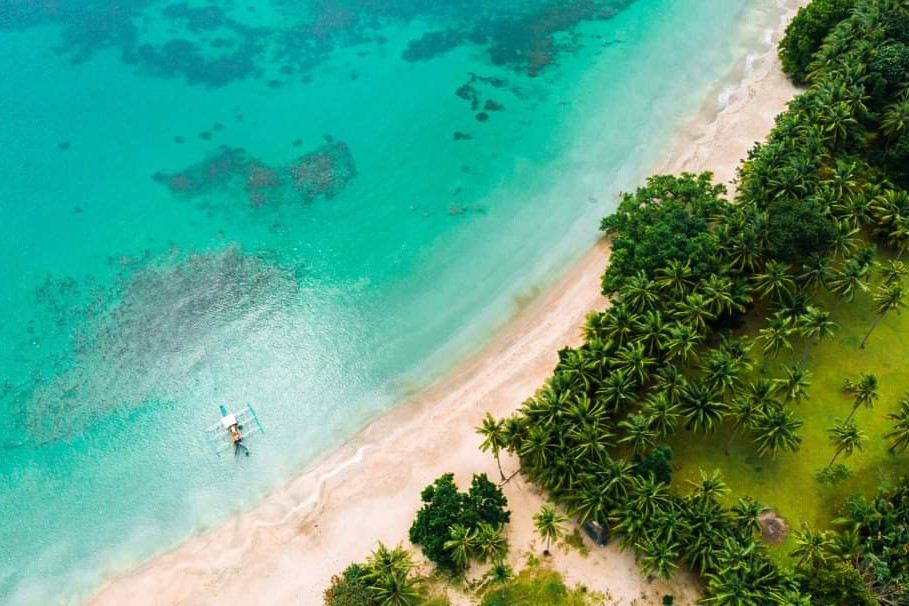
{"type": "Point", "coordinates": [313, 206]}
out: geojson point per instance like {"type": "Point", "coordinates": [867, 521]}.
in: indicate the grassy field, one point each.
{"type": "Point", "coordinates": [788, 483]}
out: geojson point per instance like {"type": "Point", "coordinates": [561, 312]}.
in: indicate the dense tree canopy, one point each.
{"type": "Point", "coordinates": [667, 220]}
{"type": "Point", "coordinates": [807, 31]}
{"type": "Point", "coordinates": [445, 508]}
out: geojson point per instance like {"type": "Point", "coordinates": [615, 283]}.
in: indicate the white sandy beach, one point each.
{"type": "Point", "coordinates": [286, 549]}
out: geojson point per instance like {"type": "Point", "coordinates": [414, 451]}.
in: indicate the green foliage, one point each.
{"type": "Point", "coordinates": [882, 525]}
{"type": "Point", "coordinates": [444, 509]}
{"type": "Point", "coordinates": [798, 229]}
{"type": "Point", "coordinates": [807, 31]}
{"type": "Point", "coordinates": [537, 586]}
{"type": "Point", "coordinates": [384, 580]}
{"type": "Point", "coordinates": [667, 220]}
{"type": "Point", "coordinates": [351, 588]}
{"type": "Point", "coordinates": [835, 583]}
{"type": "Point", "coordinates": [657, 463]}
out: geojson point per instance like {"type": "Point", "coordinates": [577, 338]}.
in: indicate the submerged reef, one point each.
{"type": "Point", "coordinates": [141, 339]}
{"type": "Point", "coordinates": [322, 172]}
{"type": "Point", "coordinates": [220, 42]}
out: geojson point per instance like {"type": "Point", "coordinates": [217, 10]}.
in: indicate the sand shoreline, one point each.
{"type": "Point", "coordinates": [286, 549]}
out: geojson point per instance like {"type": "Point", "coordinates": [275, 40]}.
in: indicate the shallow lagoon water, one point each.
{"type": "Point", "coordinates": [313, 207]}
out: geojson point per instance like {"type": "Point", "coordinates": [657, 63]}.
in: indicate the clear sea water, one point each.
{"type": "Point", "coordinates": [314, 206]}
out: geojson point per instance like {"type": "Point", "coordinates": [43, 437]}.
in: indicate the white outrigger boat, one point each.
{"type": "Point", "coordinates": [233, 429]}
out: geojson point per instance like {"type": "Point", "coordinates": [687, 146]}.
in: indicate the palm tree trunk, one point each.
{"type": "Point", "coordinates": [501, 473]}
{"type": "Point", "coordinates": [805, 352]}
{"type": "Point", "coordinates": [835, 455]}
{"type": "Point", "coordinates": [735, 431]}
{"type": "Point", "coordinates": [852, 413]}
{"type": "Point", "coordinates": [870, 330]}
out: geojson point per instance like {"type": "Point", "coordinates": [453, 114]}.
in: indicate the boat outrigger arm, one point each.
{"type": "Point", "coordinates": [233, 429]}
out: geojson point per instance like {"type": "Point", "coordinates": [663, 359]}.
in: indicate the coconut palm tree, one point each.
{"type": "Point", "coordinates": [671, 382]}
{"type": "Point", "coordinates": [864, 390]}
{"type": "Point", "coordinates": [393, 589]}
{"type": "Point", "coordinates": [494, 438]}
{"type": "Point", "coordinates": [618, 326]}
{"type": "Point", "coordinates": [720, 371]}
{"type": "Point", "coordinates": [639, 293]}
{"type": "Point", "coordinates": [745, 413]}
{"type": "Point", "coordinates": [710, 487]}
{"type": "Point", "coordinates": [639, 434]}
{"type": "Point", "coordinates": [816, 273]}
{"type": "Point", "coordinates": [548, 524]}
{"type": "Point", "coordinates": [658, 558]}
{"type": "Point", "coordinates": [846, 437]}
{"type": "Point", "coordinates": [682, 341]}
{"type": "Point", "coordinates": [746, 515]}
{"type": "Point", "coordinates": [899, 436]}
{"type": "Point", "coordinates": [810, 546]}
{"type": "Point", "coordinates": [617, 390]}
{"type": "Point", "coordinates": [775, 337]}
{"type": "Point", "coordinates": [720, 295]}
{"type": "Point", "coordinates": [651, 331]}
{"type": "Point", "coordinates": [777, 430]}
{"type": "Point", "coordinates": [499, 574]}
{"type": "Point", "coordinates": [694, 310]}
{"type": "Point", "coordinates": [814, 324]}
{"type": "Point", "coordinates": [701, 408]}
{"type": "Point", "coordinates": [633, 359]}
{"type": "Point", "coordinates": [388, 575]}
{"type": "Point", "coordinates": [888, 298]}
{"type": "Point", "coordinates": [462, 544]}
{"type": "Point", "coordinates": [795, 383]}
{"type": "Point", "coordinates": [845, 238]}
{"type": "Point", "coordinates": [649, 496]}
{"type": "Point", "coordinates": [491, 545]}
{"type": "Point", "coordinates": [895, 121]}
{"type": "Point", "coordinates": [663, 415]}
{"type": "Point", "coordinates": [849, 280]}
{"type": "Point", "coordinates": [892, 271]}
{"type": "Point", "coordinates": [775, 282]}
{"type": "Point", "coordinates": [676, 279]}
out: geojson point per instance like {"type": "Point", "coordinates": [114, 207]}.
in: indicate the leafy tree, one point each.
{"type": "Point", "coordinates": [548, 524]}
{"type": "Point", "coordinates": [657, 463]}
{"type": "Point", "coordinates": [832, 582]}
{"type": "Point", "coordinates": [445, 509]}
{"type": "Point", "coordinates": [807, 31]}
{"type": "Point", "coordinates": [667, 220]}
{"type": "Point", "coordinates": [351, 588]}
{"type": "Point", "coordinates": [798, 228]}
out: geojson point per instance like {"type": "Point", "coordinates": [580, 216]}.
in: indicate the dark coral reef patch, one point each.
{"type": "Point", "coordinates": [322, 172]}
